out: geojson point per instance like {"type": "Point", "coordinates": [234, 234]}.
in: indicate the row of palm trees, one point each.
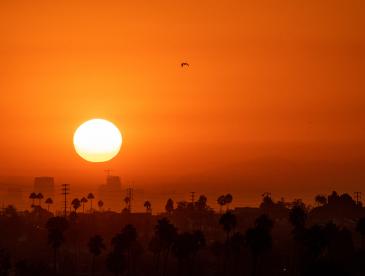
{"type": "Point", "coordinates": [77, 203]}
{"type": "Point", "coordinates": [34, 196]}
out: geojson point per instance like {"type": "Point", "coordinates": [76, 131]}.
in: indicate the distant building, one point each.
{"type": "Point", "coordinates": [44, 185]}
{"type": "Point", "coordinates": [111, 193]}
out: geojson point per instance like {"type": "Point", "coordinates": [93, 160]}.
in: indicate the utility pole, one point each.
{"type": "Point", "coordinates": [358, 197]}
{"type": "Point", "coordinates": [65, 191]}
{"type": "Point", "coordinates": [130, 196]}
{"type": "Point", "coordinates": [192, 196]}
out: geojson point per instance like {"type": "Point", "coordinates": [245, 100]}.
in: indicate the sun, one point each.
{"type": "Point", "coordinates": [97, 140]}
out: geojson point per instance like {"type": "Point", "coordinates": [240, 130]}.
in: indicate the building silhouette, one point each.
{"type": "Point", "coordinates": [44, 185]}
{"type": "Point", "coordinates": [111, 193]}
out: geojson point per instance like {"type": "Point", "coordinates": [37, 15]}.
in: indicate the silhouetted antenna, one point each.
{"type": "Point", "coordinates": [65, 191]}
{"type": "Point", "coordinates": [358, 197]}
{"type": "Point", "coordinates": [192, 196]}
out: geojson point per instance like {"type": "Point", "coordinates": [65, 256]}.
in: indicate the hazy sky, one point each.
{"type": "Point", "coordinates": [274, 99]}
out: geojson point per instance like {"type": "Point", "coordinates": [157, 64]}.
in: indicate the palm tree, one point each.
{"type": "Point", "coordinates": [298, 217]}
{"type": "Point", "coordinates": [147, 205]}
{"type": "Point", "coordinates": [169, 207]}
{"type": "Point", "coordinates": [127, 201]}
{"type": "Point", "coordinates": [202, 202]}
{"type": "Point", "coordinates": [165, 234]}
{"type": "Point", "coordinates": [221, 200]}
{"type": "Point", "coordinates": [229, 222]}
{"type": "Point", "coordinates": [76, 204]}
{"type": "Point", "coordinates": [40, 197]}
{"type": "Point", "coordinates": [228, 200]}
{"type": "Point", "coordinates": [33, 196]}
{"type": "Point", "coordinates": [90, 197]}
{"type": "Point", "coordinates": [83, 201]}
{"type": "Point", "coordinates": [49, 201]}
{"type": "Point", "coordinates": [320, 200]}
{"type": "Point", "coordinates": [96, 246]}
{"type": "Point", "coordinates": [360, 227]}
{"type": "Point", "coordinates": [258, 239]}
{"type": "Point", "coordinates": [100, 204]}
{"type": "Point", "coordinates": [56, 227]}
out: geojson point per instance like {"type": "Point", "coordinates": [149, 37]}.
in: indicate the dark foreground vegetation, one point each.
{"type": "Point", "coordinates": [189, 239]}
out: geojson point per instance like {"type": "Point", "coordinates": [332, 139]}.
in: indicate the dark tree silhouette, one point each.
{"type": "Point", "coordinates": [33, 196]}
{"type": "Point", "coordinates": [126, 246]}
{"type": "Point", "coordinates": [221, 200]}
{"type": "Point", "coordinates": [56, 227]}
{"type": "Point", "coordinates": [100, 204]}
{"type": "Point", "coordinates": [5, 262]}
{"type": "Point", "coordinates": [228, 198]}
{"type": "Point", "coordinates": [127, 201]}
{"type": "Point", "coordinates": [115, 263]}
{"type": "Point", "coordinates": [91, 197]}
{"type": "Point", "coordinates": [147, 205]}
{"type": "Point", "coordinates": [83, 201]}
{"type": "Point", "coordinates": [259, 240]}
{"type": "Point", "coordinates": [49, 201]}
{"type": "Point", "coordinates": [185, 247]}
{"type": "Point", "coordinates": [169, 207]}
{"type": "Point", "coordinates": [229, 221]}
{"type": "Point", "coordinates": [201, 202]}
{"type": "Point", "coordinates": [165, 234]}
{"type": "Point", "coordinates": [320, 200]}
{"type": "Point", "coordinates": [298, 217]}
{"type": "Point", "coordinates": [96, 246]}
{"type": "Point", "coordinates": [360, 227]}
{"type": "Point", "coordinates": [76, 204]}
{"type": "Point", "coordinates": [40, 197]}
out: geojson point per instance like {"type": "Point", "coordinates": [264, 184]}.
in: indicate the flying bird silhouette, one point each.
{"type": "Point", "coordinates": [185, 64]}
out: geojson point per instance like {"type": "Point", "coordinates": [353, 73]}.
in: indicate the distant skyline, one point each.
{"type": "Point", "coordinates": [273, 99]}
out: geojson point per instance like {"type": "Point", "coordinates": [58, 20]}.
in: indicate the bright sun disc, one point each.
{"type": "Point", "coordinates": [97, 140]}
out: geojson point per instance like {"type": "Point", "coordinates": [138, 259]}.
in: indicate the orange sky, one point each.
{"type": "Point", "coordinates": [274, 99]}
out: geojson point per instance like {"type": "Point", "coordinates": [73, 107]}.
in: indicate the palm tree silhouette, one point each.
{"type": "Point", "coordinates": [90, 197]}
{"type": "Point", "coordinates": [96, 246]}
{"type": "Point", "coordinates": [127, 201]}
{"type": "Point", "coordinates": [169, 207]}
{"type": "Point", "coordinates": [49, 201]}
{"type": "Point", "coordinates": [229, 221]}
{"type": "Point", "coordinates": [360, 227]}
{"type": "Point", "coordinates": [76, 204]}
{"type": "Point", "coordinates": [320, 200]}
{"type": "Point", "coordinates": [33, 196]}
{"type": "Point", "coordinates": [221, 200]}
{"type": "Point", "coordinates": [298, 217]}
{"type": "Point", "coordinates": [228, 200]}
{"type": "Point", "coordinates": [258, 239]}
{"type": "Point", "coordinates": [202, 202]}
{"type": "Point", "coordinates": [165, 234]}
{"type": "Point", "coordinates": [100, 204]}
{"type": "Point", "coordinates": [147, 205]}
{"type": "Point", "coordinates": [56, 227]}
{"type": "Point", "coordinates": [83, 201]}
{"type": "Point", "coordinates": [40, 197]}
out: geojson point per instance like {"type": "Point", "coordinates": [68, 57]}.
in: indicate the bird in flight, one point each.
{"type": "Point", "coordinates": [185, 64]}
